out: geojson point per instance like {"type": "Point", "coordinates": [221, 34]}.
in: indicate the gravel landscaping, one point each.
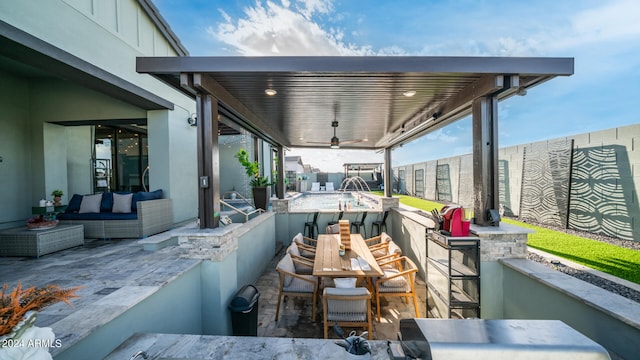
{"type": "Point", "coordinates": [585, 276]}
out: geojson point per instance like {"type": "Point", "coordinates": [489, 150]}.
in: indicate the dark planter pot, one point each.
{"type": "Point", "coordinates": [261, 197]}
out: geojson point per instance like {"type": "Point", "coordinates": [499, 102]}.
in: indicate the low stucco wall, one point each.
{"type": "Point", "coordinates": [533, 291]}
{"type": "Point", "coordinates": [232, 256]}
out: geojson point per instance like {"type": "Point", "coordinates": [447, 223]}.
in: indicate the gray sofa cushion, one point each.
{"type": "Point", "coordinates": [122, 203]}
{"type": "Point", "coordinates": [90, 204]}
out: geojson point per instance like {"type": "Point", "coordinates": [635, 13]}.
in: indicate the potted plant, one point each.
{"type": "Point", "coordinates": [57, 197]}
{"type": "Point", "coordinates": [259, 184]}
{"type": "Point", "coordinates": [18, 310]}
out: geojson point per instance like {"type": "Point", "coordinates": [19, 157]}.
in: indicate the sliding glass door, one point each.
{"type": "Point", "coordinates": [121, 159]}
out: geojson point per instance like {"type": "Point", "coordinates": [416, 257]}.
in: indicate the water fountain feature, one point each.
{"type": "Point", "coordinates": [355, 181]}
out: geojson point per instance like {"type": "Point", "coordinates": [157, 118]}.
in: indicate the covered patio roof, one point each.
{"type": "Point", "coordinates": [367, 96]}
{"type": "Point", "coordinates": [352, 102]}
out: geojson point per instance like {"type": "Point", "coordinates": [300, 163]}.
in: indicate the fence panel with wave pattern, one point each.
{"type": "Point", "coordinates": [602, 198]}
{"type": "Point", "coordinates": [546, 172]}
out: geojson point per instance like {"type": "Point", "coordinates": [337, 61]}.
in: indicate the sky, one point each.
{"type": "Point", "coordinates": [603, 36]}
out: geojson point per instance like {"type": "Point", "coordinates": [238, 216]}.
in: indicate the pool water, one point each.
{"type": "Point", "coordinates": [330, 201]}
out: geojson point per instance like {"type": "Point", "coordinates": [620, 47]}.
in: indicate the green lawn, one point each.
{"type": "Point", "coordinates": [621, 262]}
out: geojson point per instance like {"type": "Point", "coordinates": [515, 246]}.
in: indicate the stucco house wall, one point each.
{"type": "Point", "coordinates": [39, 154]}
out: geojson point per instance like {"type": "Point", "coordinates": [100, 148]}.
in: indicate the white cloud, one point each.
{"type": "Point", "coordinates": [285, 30]}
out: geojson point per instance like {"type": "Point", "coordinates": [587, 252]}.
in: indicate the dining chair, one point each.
{"type": "Point", "coordinates": [380, 224]}
{"type": "Point", "coordinates": [294, 284]}
{"type": "Point", "coordinates": [378, 240]}
{"type": "Point", "coordinates": [360, 224]}
{"type": "Point", "coordinates": [340, 214]}
{"type": "Point", "coordinates": [347, 307]}
{"type": "Point", "coordinates": [306, 245]}
{"type": "Point", "coordinates": [333, 229]}
{"type": "Point", "coordinates": [386, 251]}
{"type": "Point", "coordinates": [302, 264]}
{"type": "Point", "coordinates": [311, 226]}
{"type": "Point", "coordinates": [398, 280]}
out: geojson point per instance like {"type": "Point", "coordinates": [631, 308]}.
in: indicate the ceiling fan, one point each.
{"type": "Point", "coordinates": [335, 142]}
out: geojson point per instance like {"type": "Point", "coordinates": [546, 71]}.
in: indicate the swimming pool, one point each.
{"type": "Point", "coordinates": [334, 201]}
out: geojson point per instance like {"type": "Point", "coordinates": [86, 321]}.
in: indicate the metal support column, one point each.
{"type": "Point", "coordinates": [485, 160]}
{"type": "Point", "coordinates": [208, 162]}
{"type": "Point", "coordinates": [388, 173]}
{"type": "Point", "coordinates": [280, 190]}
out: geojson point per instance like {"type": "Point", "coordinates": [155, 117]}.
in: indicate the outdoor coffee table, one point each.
{"type": "Point", "coordinates": [328, 261]}
{"type": "Point", "coordinates": [21, 241]}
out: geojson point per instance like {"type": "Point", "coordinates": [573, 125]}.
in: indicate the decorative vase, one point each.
{"type": "Point", "coordinates": [261, 197]}
{"type": "Point", "coordinates": [57, 200]}
{"type": "Point", "coordinates": [27, 342]}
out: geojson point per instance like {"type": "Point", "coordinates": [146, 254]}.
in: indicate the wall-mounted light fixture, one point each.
{"type": "Point", "coordinates": [193, 120]}
{"type": "Point", "coordinates": [405, 132]}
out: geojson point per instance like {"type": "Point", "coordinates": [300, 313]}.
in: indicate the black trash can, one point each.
{"type": "Point", "coordinates": [244, 311]}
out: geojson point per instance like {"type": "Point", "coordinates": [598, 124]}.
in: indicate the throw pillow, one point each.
{"type": "Point", "coordinates": [144, 196]}
{"type": "Point", "coordinates": [286, 264]}
{"type": "Point", "coordinates": [107, 202]}
{"type": "Point", "coordinates": [74, 204]}
{"type": "Point", "coordinates": [90, 204]}
{"type": "Point", "coordinates": [122, 203]}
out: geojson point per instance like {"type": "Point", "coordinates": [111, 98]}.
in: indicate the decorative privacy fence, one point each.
{"type": "Point", "coordinates": [586, 182]}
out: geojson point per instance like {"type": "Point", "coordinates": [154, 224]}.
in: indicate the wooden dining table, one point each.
{"type": "Point", "coordinates": [357, 262]}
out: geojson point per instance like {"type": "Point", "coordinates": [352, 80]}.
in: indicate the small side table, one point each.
{"type": "Point", "coordinates": [50, 211]}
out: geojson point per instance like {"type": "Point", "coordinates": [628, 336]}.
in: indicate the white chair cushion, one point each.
{"type": "Point", "coordinates": [345, 283]}
{"type": "Point", "coordinates": [384, 237]}
{"type": "Point", "coordinates": [346, 310]}
{"type": "Point", "coordinates": [333, 229]}
{"type": "Point", "coordinates": [286, 264]}
{"type": "Point", "coordinates": [301, 286]}
{"type": "Point", "coordinates": [298, 238]}
{"type": "Point", "coordinates": [293, 249]}
{"type": "Point", "coordinates": [90, 204]}
{"type": "Point", "coordinates": [378, 253]}
{"type": "Point", "coordinates": [395, 285]}
{"type": "Point", "coordinates": [346, 291]}
{"type": "Point", "coordinates": [394, 248]}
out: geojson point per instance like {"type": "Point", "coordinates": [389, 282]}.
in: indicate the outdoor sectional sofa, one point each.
{"type": "Point", "coordinates": [119, 215]}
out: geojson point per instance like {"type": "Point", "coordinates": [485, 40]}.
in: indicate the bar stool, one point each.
{"type": "Point", "coordinates": [379, 224]}
{"type": "Point", "coordinates": [357, 224]}
{"type": "Point", "coordinates": [339, 218]}
{"type": "Point", "coordinates": [311, 225]}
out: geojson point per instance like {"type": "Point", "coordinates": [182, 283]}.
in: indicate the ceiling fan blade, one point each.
{"type": "Point", "coordinates": [354, 141]}
{"type": "Point", "coordinates": [318, 142]}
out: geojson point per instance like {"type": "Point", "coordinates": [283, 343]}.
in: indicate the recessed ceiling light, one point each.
{"type": "Point", "coordinates": [409, 93]}
{"type": "Point", "coordinates": [270, 92]}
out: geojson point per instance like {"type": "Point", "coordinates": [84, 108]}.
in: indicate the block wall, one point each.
{"type": "Point", "coordinates": [603, 192]}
